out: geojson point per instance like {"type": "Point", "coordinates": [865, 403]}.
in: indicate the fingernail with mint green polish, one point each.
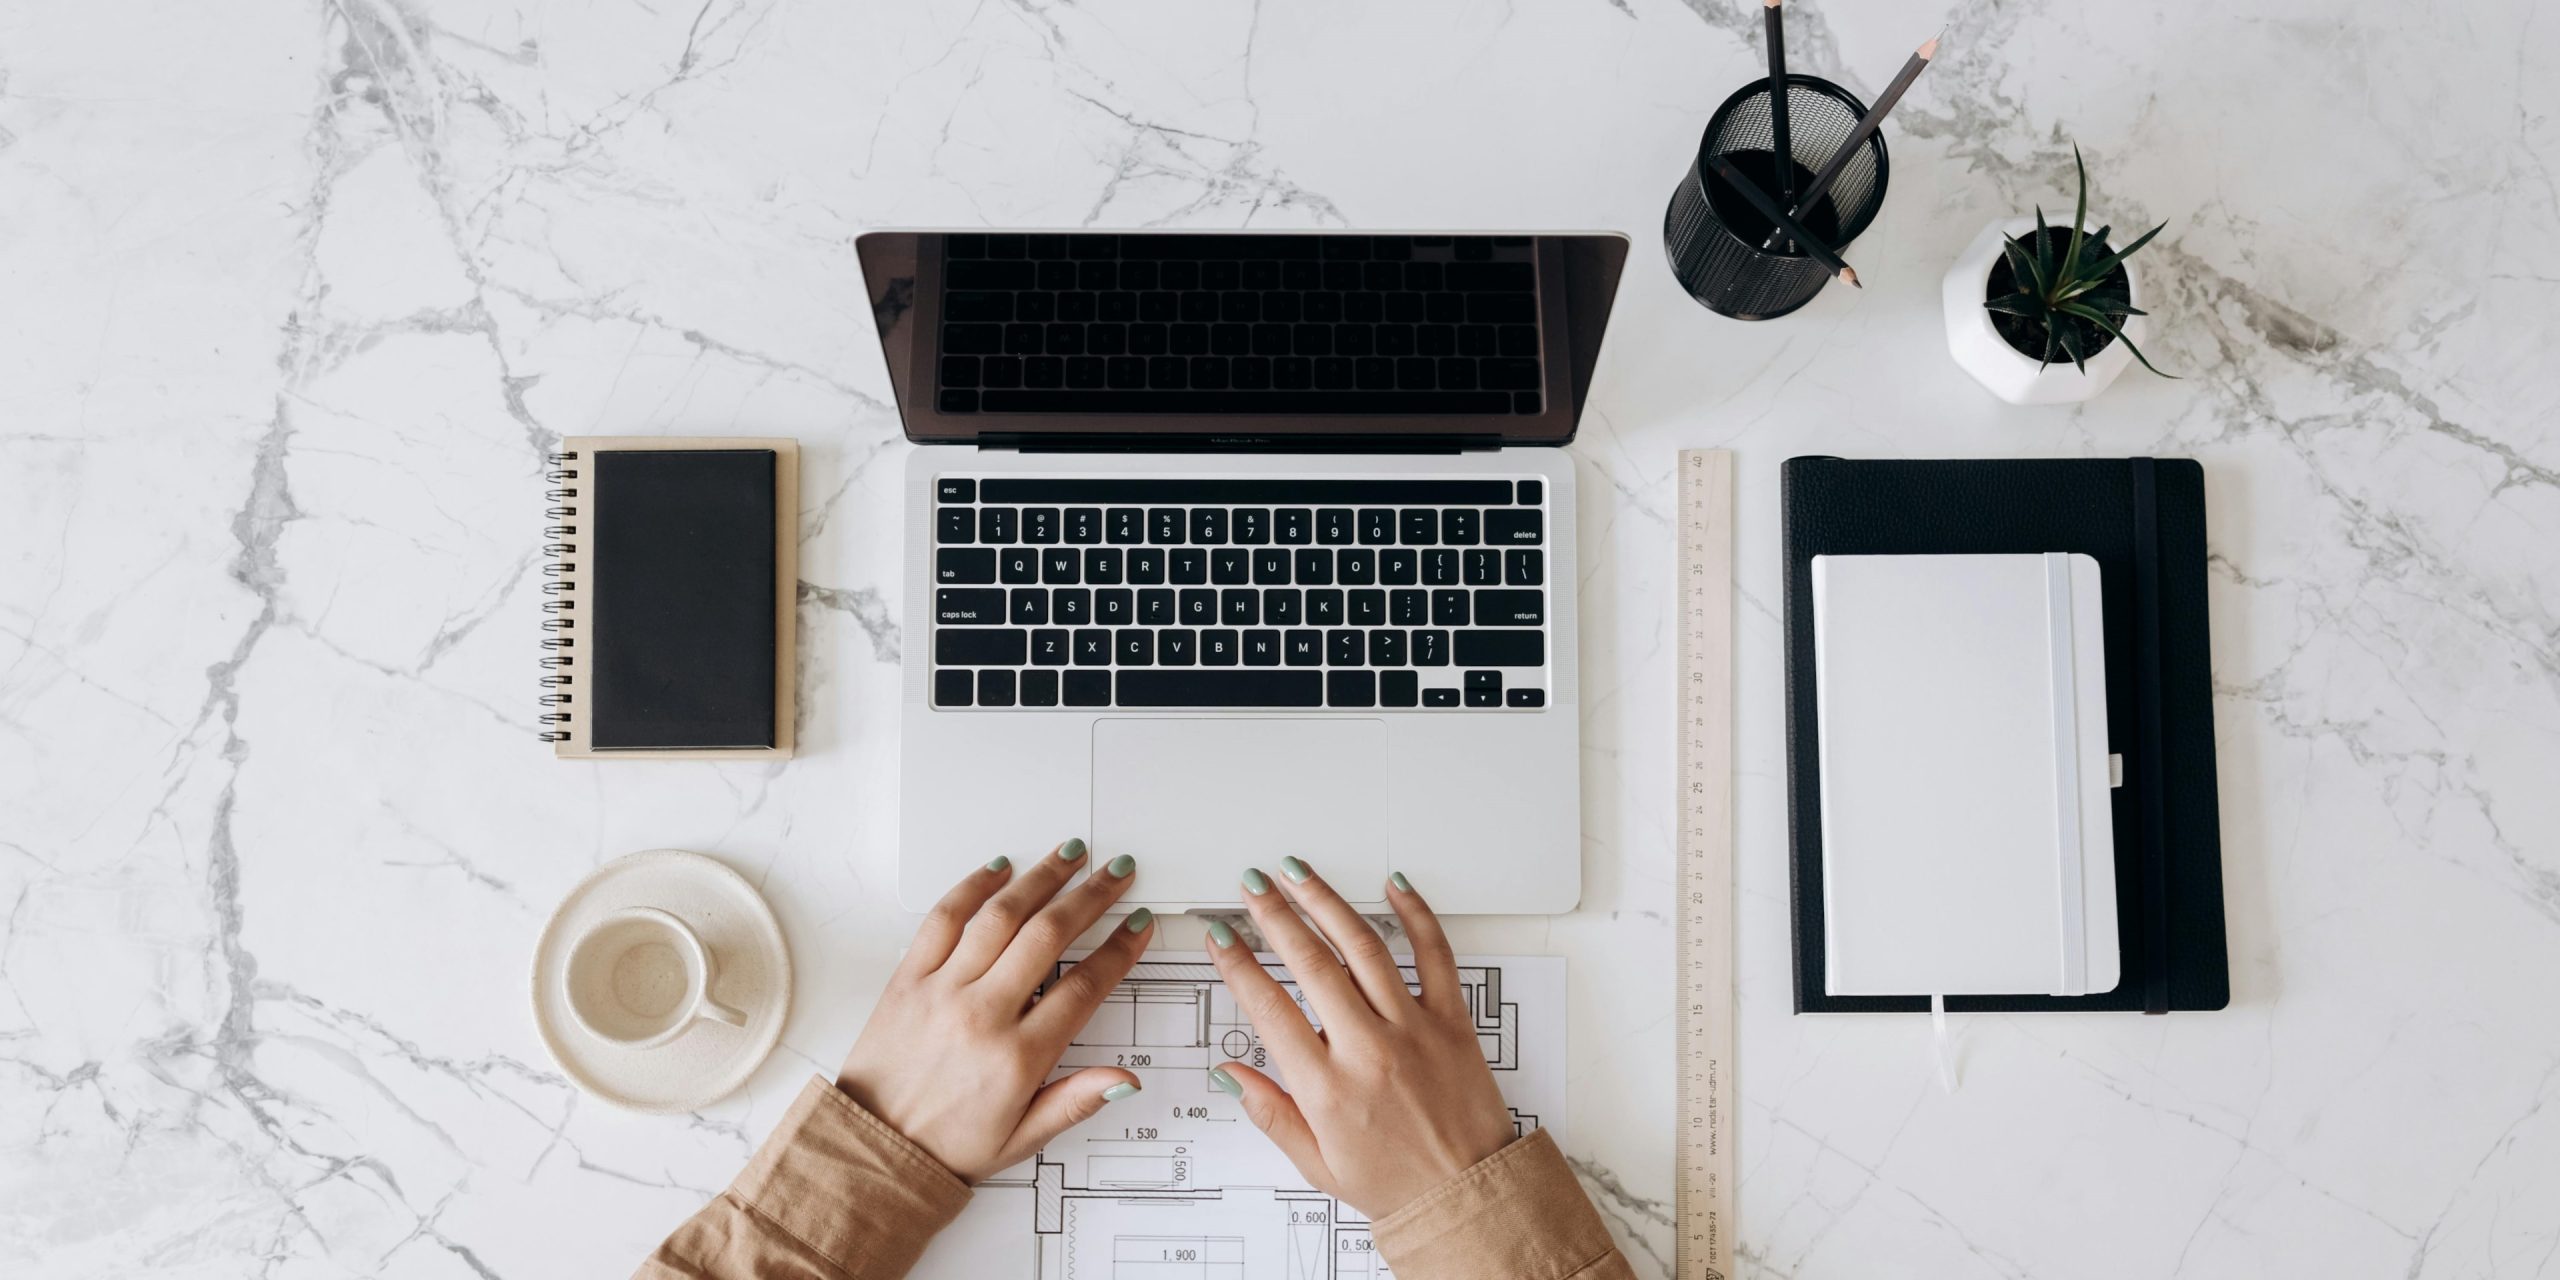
{"type": "Point", "coordinates": [1118, 1091]}
{"type": "Point", "coordinates": [1071, 851]}
{"type": "Point", "coordinates": [1000, 863]}
{"type": "Point", "coordinates": [1139, 920]}
{"type": "Point", "coordinates": [1402, 885]}
{"type": "Point", "coordinates": [1295, 870]}
{"type": "Point", "coordinates": [1220, 934]}
{"type": "Point", "coordinates": [1226, 1082]}
{"type": "Point", "coordinates": [1121, 866]}
{"type": "Point", "coordinates": [1255, 883]}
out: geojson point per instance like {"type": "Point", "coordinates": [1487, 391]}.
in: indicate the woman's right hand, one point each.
{"type": "Point", "coordinates": [1393, 1097]}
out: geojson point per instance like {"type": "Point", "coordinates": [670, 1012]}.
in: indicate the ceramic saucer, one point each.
{"type": "Point", "coordinates": [710, 1060]}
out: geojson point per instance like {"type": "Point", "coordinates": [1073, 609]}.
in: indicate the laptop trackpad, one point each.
{"type": "Point", "coordinates": [1198, 801]}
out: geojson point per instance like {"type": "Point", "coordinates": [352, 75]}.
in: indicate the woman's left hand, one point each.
{"type": "Point", "coordinates": [956, 1054]}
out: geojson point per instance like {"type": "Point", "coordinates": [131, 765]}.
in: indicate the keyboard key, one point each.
{"type": "Point", "coordinates": [1124, 526]}
{"type": "Point", "coordinates": [1146, 565]}
{"type": "Point", "coordinates": [1218, 648]}
{"type": "Point", "coordinates": [1084, 525]}
{"type": "Point", "coordinates": [997, 525]}
{"type": "Point", "coordinates": [1315, 567]}
{"type": "Point", "coordinates": [1532, 492]}
{"type": "Point", "coordinates": [1049, 648]}
{"type": "Point", "coordinates": [956, 524]}
{"type": "Point", "coordinates": [1270, 567]}
{"type": "Point", "coordinates": [967, 607]}
{"type": "Point", "coordinates": [1341, 688]}
{"type": "Point", "coordinates": [1524, 568]}
{"type": "Point", "coordinates": [1431, 648]}
{"type": "Point", "coordinates": [1178, 647]}
{"type": "Point", "coordinates": [1251, 526]}
{"type": "Point", "coordinates": [1102, 566]}
{"type": "Point", "coordinates": [1369, 608]}
{"type": "Point", "coordinates": [1137, 647]}
{"type": "Point", "coordinates": [1209, 525]}
{"type": "Point", "coordinates": [1062, 566]}
{"type": "Point", "coordinates": [1514, 526]}
{"type": "Point", "coordinates": [1303, 648]}
{"type": "Point", "coordinates": [1483, 568]}
{"type": "Point", "coordinates": [1511, 608]}
{"type": "Point", "coordinates": [1484, 648]}
{"type": "Point", "coordinates": [1240, 606]}
{"type": "Point", "coordinates": [1334, 527]}
{"type": "Point", "coordinates": [1088, 688]}
{"type": "Point", "coordinates": [1243, 687]}
{"type": "Point", "coordinates": [1283, 606]}
{"type": "Point", "coordinates": [1093, 647]}
{"type": "Point", "coordinates": [1439, 697]}
{"type": "Point", "coordinates": [1449, 608]}
{"type": "Point", "coordinates": [1397, 688]}
{"type": "Point", "coordinates": [1165, 526]}
{"type": "Point", "coordinates": [1324, 608]}
{"type": "Point", "coordinates": [964, 565]}
{"type": "Point", "coordinates": [1377, 527]}
{"type": "Point", "coordinates": [975, 648]}
{"type": "Point", "coordinates": [1114, 607]}
{"type": "Point", "coordinates": [1386, 648]}
{"type": "Point", "coordinates": [1344, 648]}
{"type": "Point", "coordinates": [1039, 688]}
{"type": "Point", "coordinates": [1071, 606]}
{"type": "Point", "coordinates": [1408, 608]}
{"type": "Point", "coordinates": [1262, 648]}
{"type": "Point", "coordinates": [1040, 525]}
{"type": "Point", "coordinates": [1396, 568]}
{"type": "Point", "coordinates": [1440, 567]}
{"type": "Point", "coordinates": [1198, 608]}
{"type": "Point", "coordinates": [1526, 697]}
{"type": "Point", "coordinates": [1355, 567]}
{"type": "Point", "coordinates": [1459, 527]}
{"type": "Point", "coordinates": [1030, 606]}
{"type": "Point", "coordinates": [1190, 566]}
{"type": "Point", "coordinates": [1228, 565]}
{"type": "Point", "coordinates": [1420, 527]}
{"type": "Point", "coordinates": [954, 688]}
{"type": "Point", "coordinates": [995, 688]}
{"type": "Point", "coordinates": [1484, 688]}
{"type": "Point", "coordinates": [1155, 608]}
{"type": "Point", "coordinates": [1018, 565]}
{"type": "Point", "coordinates": [949, 489]}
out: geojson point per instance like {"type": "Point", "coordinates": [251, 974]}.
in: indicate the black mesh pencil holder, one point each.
{"type": "Point", "coordinates": [1714, 236]}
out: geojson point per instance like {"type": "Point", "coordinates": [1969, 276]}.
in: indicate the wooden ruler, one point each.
{"type": "Point", "coordinates": [1704, 706]}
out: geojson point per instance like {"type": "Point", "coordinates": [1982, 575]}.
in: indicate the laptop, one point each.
{"type": "Point", "coordinates": [1231, 547]}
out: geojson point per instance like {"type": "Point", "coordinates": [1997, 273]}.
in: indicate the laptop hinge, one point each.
{"type": "Point", "coordinates": [1097, 443]}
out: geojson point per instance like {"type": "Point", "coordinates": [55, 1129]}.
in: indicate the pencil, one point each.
{"type": "Point", "coordinates": [1782, 138]}
{"type": "Point", "coordinates": [1778, 217]}
{"type": "Point", "coordinates": [1866, 127]}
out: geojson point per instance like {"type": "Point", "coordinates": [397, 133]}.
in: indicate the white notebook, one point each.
{"type": "Point", "coordinates": [1967, 846]}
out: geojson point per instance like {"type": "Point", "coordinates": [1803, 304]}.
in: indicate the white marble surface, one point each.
{"type": "Point", "coordinates": [293, 295]}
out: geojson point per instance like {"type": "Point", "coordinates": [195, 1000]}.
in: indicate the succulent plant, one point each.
{"type": "Point", "coordinates": [2070, 299]}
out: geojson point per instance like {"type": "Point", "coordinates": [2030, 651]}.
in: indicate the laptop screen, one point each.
{"type": "Point", "coordinates": [1201, 339]}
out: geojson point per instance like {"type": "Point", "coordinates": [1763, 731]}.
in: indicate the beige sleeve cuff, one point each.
{"type": "Point", "coordinates": [1518, 1214]}
{"type": "Point", "coordinates": [834, 1192]}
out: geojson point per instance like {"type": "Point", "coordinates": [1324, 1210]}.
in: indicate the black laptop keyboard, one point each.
{"type": "Point", "coordinates": [1207, 324]}
{"type": "Point", "coordinates": [1204, 593]}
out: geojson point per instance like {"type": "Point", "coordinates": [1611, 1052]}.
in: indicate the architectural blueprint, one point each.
{"type": "Point", "coordinates": [1176, 1184]}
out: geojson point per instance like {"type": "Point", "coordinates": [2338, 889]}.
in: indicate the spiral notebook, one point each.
{"type": "Point", "coordinates": [668, 598]}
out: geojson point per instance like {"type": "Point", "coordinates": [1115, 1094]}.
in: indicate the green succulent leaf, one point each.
{"type": "Point", "coordinates": [2070, 336]}
{"type": "Point", "coordinates": [2019, 304]}
{"type": "Point", "coordinates": [2116, 259]}
{"type": "Point", "coordinates": [2079, 220]}
{"type": "Point", "coordinates": [2118, 334]}
{"type": "Point", "coordinates": [2044, 251]}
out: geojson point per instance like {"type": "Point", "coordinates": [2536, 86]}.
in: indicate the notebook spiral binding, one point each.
{"type": "Point", "coordinates": [560, 591]}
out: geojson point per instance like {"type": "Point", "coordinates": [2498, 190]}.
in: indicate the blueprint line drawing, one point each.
{"type": "Point", "coordinates": [1175, 1183]}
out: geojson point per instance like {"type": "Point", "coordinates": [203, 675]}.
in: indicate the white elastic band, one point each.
{"type": "Point", "coordinates": [2062, 664]}
{"type": "Point", "coordinates": [1946, 1048]}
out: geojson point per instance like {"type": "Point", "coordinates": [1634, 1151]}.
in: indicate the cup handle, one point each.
{"type": "Point", "coordinates": [719, 1012]}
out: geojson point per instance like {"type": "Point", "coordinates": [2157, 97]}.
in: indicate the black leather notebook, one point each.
{"type": "Point", "coordinates": [671, 597]}
{"type": "Point", "coordinates": [2142, 520]}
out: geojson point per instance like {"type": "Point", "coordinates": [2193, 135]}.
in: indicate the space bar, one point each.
{"type": "Point", "coordinates": [1221, 688]}
{"type": "Point", "coordinates": [1028, 401]}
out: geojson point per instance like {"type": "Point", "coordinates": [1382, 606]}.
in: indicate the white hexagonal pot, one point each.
{"type": "Point", "coordinates": [2009, 373]}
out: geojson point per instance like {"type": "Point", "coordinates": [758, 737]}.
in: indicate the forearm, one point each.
{"type": "Point", "coordinates": [1518, 1214]}
{"type": "Point", "coordinates": [834, 1194]}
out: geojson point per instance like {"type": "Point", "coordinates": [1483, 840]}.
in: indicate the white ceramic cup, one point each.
{"type": "Point", "coordinates": [640, 977]}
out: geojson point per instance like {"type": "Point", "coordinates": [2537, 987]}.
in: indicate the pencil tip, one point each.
{"type": "Point", "coordinates": [1930, 50]}
{"type": "Point", "coordinates": [1768, 4]}
{"type": "Point", "coordinates": [1850, 274]}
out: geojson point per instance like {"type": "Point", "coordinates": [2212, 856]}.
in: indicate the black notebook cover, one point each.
{"type": "Point", "coordinates": [682, 585]}
{"type": "Point", "coordinates": [2142, 520]}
